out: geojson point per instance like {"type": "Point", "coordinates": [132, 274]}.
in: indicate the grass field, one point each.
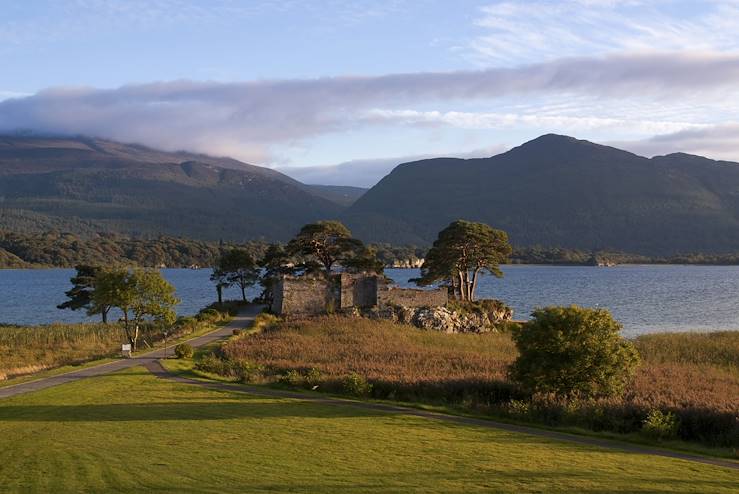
{"type": "Point", "coordinates": [131, 432]}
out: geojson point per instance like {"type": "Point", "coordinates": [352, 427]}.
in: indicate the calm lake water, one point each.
{"type": "Point", "coordinates": [644, 298]}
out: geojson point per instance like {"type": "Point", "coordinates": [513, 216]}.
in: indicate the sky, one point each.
{"type": "Point", "coordinates": [339, 92]}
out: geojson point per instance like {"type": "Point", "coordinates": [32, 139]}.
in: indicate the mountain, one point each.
{"type": "Point", "coordinates": [81, 185]}
{"type": "Point", "coordinates": [343, 195]}
{"type": "Point", "coordinates": [559, 191]}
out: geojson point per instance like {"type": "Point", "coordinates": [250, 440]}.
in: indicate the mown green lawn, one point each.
{"type": "Point", "coordinates": [131, 432]}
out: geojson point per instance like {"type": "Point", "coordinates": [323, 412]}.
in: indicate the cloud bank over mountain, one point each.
{"type": "Point", "coordinates": [248, 120]}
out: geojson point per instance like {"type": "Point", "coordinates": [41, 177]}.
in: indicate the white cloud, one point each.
{"type": "Point", "coordinates": [367, 172]}
{"type": "Point", "coordinates": [247, 119]}
{"type": "Point", "coordinates": [716, 141]}
{"type": "Point", "coordinates": [515, 32]}
{"type": "Point", "coordinates": [477, 120]}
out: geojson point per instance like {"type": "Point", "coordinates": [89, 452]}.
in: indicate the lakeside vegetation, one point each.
{"type": "Point", "coordinates": [30, 349]}
{"type": "Point", "coordinates": [691, 377]}
{"type": "Point", "coordinates": [65, 250]}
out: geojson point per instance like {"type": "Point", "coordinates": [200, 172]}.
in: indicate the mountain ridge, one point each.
{"type": "Point", "coordinates": [554, 190]}
{"type": "Point", "coordinates": [560, 191]}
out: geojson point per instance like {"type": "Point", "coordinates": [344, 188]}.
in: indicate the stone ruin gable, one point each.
{"type": "Point", "coordinates": [359, 290]}
{"type": "Point", "coordinates": [304, 296]}
{"type": "Point", "coordinates": [412, 297]}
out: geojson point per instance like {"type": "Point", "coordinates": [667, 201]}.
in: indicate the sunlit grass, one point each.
{"type": "Point", "coordinates": [131, 432]}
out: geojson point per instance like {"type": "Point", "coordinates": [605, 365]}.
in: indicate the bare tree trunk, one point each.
{"type": "Point", "coordinates": [127, 328]}
{"type": "Point", "coordinates": [135, 337]}
{"type": "Point", "coordinates": [219, 289]}
{"type": "Point", "coordinates": [104, 314]}
{"type": "Point", "coordinates": [462, 287]}
{"type": "Point", "coordinates": [475, 277]}
{"type": "Point", "coordinates": [243, 292]}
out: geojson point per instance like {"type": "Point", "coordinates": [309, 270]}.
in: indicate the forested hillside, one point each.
{"type": "Point", "coordinates": [86, 185]}
{"type": "Point", "coordinates": [560, 191]}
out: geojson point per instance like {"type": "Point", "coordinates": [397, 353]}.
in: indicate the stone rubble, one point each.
{"type": "Point", "coordinates": [441, 318]}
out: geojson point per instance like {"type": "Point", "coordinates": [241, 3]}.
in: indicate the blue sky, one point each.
{"type": "Point", "coordinates": [304, 86]}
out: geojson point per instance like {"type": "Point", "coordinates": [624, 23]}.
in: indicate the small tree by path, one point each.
{"type": "Point", "coordinates": [463, 251]}
{"type": "Point", "coordinates": [141, 295]}
{"type": "Point", "coordinates": [235, 267]}
{"type": "Point", "coordinates": [573, 352]}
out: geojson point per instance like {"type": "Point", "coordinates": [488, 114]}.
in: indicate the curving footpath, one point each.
{"type": "Point", "coordinates": [242, 320]}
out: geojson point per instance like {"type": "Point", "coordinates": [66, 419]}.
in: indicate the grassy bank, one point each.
{"type": "Point", "coordinates": [91, 436]}
{"type": "Point", "coordinates": [693, 376]}
{"type": "Point", "coordinates": [29, 350]}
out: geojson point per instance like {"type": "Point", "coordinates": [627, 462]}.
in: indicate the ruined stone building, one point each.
{"type": "Point", "coordinates": [309, 296]}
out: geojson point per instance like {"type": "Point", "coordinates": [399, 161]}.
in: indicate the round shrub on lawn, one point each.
{"type": "Point", "coordinates": [573, 351]}
{"type": "Point", "coordinates": [183, 350]}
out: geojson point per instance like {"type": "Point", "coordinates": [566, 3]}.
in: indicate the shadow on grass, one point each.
{"type": "Point", "coordinates": [174, 411]}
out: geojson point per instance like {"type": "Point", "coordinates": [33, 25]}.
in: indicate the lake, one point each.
{"type": "Point", "coordinates": [645, 299]}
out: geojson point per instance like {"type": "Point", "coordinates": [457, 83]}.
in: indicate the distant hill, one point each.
{"type": "Point", "coordinates": [343, 195]}
{"type": "Point", "coordinates": [82, 185]}
{"type": "Point", "coordinates": [560, 191]}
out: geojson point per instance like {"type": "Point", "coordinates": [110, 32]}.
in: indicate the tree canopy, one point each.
{"type": "Point", "coordinates": [81, 294]}
{"type": "Point", "coordinates": [461, 252]}
{"type": "Point", "coordinates": [573, 352]}
{"type": "Point", "coordinates": [328, 242]}
{"type": "Point", "coordinates": [141, 295]}
{"type": "Point", "coordinates": [235, 267]}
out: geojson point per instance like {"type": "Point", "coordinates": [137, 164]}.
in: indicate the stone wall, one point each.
{"type": "Point", "coordinates": [312, 296]}
{"type": "Point", "coordinates": [304, 296]}
{"type": "Point", "coordinates": [358, 290]}
{"type": "Point", "coordinates": [411, 297]}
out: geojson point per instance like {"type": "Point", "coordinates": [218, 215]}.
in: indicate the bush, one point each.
{"type": "Point", "coordinates": [183, 350]}
{"type": "Point", "coordinates": [292, 378]}
{"type": "Point", "coordinates": [573, 351]}
{"type": "Point", "coordinates": [356, 385]}
{"type": "Point", "coordinates": [246, 371]}
{"type": "Point", "coordinates": [213, 364]}
{"type": "Point", "coordinates": [659, 425]}
{"type": "Point", "coordinates": [264, 321]}
{"type": "Point", "coordinates": [313, 378]}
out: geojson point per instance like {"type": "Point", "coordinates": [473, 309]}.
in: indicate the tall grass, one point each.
{"type": "Point", "coordinates": [694, 376]}
{"type": "Point", "coordinates": [28, 349]}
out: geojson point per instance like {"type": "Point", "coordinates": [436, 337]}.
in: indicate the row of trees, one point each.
{"type": "Point", "coordinates": [317, 249]}
{"type": "Point", "coordinates": [141, 296]}
{"type": "Point", "coordinates": [463, 251]}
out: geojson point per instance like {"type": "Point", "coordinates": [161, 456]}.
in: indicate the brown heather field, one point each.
{"type": "Point", "coordinates": [695, 376]}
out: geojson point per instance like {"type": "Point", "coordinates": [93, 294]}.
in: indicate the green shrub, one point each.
{"type": "Point", "coordinates": [518, 408]}
{"type": "Point", "coordinates": [246, 371]}
{"type": "Point", "coordinates": [183, 350]}
{"type": "Point", "coordinates": [292, 378]}
{"type": "Point", "coordinates": [265, 321]}
{"type": "Point", "coordinates": [313, 378]}
{"type": "Point", "coordinates": [660, 425]}
{"type": "Point", "coordinates": [213, 364]}
{"type": "Point", "coordinates": [209, 315]}
{"type": "Point", "coordinates": [356, 385]}
{"type": "Point", "coordinates": [573, 352]}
